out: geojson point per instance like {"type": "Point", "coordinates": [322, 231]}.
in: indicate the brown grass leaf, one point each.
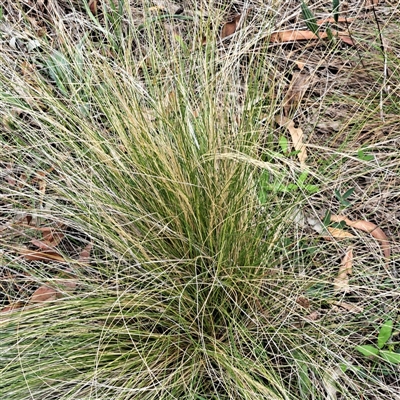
{"type": "Point", "coordinates": [341, 282]}
{"type": "Point", "coordinates": [297, 137]}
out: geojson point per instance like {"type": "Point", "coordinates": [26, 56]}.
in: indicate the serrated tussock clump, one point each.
{"type": "Point", "coordinates": [153, 220]}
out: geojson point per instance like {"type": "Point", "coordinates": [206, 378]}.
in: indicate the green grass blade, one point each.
{"type": "Point", "coordinates": [309, 19]}
{"type": "Point", "coordinates": [335, 10]}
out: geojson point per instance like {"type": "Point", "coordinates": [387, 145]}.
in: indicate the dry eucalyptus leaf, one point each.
{"type": "Point", "coordinates": [230, 27]}
{"type": "Point", "coordinates": [347, 306]}
{"type": "Point", "coordinates": [329, 380]}
{"type": "Point", "coordinates": [12, 307]}
{"type": "Point", "coordinates": [292, 35]}
{"type": "Point", "coordinates": [370, 228]}
{"type": "Point", "coordinates": [297, 217]}
{"type": "Point", "coordinates": [314, 316]}
{"type": "Point", "coordinates": [168, 6]}
{"type": "Point", "coordinates": [93, 6]}
{"type": "Point", "coordinates": [6, 312]}
{"type": "Point", "coordinates": [297, 137]}
{"type": "Point", "coordinates": [303, 301]}
{"type": "Point", "coordinates": [370, 3]}
{"type": "Point", "coordinates": [13, 43]}
{"type": "Point", "coordinates": [339, 233]}
{"type": "Point", "coordinates": [341, 282]}
{"type": "Point", "coordinates": [329, 126]}
{"type": "Point", "coordinates": [52, 237]}
{"type": "Point", "coordinates": [300, 64]}
{"type": "Point", "coordinates": [298, 86]}
{"type": "Point", "coordinates": [84, 256]}
{"type": "Point", "coordinates": [67, 285]}
{"type": "Point", "coordinates": [332, 20]}
{"type": "Point", "coordinates": [347, 39]}
{"type": "Point", "coordinates": [43, 293]}
{"type": "Point", "coordinates": [23, 178]}
{"type": "Point", "coordinates": [32, 255]}
{"type": "Point", "coordinates": [295, 35]}
{"type": "Point", "coordinates": [32, 44]}
{"type": "Point", "coordinates": [43, 245]}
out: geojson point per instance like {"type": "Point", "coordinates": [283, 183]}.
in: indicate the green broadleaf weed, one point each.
{"type": "Point", "coordinates": [368, 350]}
{"type": "Point", "coordinates": [390, 356]}
{"type": "Point", "coordinates": [385, 333]}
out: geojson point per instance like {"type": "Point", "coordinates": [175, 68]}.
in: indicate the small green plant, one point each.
{"type": "Point", "coordinates": [301, 184]}
{"type": "Point", "coordinates": [344, 203]}
{"type": "Point", "coordinates": [363, 156]}
{"type": "Point", "coordinates": [383, 348]}
{"type": "Point", "coordinates": [309, 19]}
{"type": "Point", "coordinates": [278, 185]}
{"type": "Point", "coordinates": [284, 144]}
{"type": "Point", "coordinates": [312, 24]}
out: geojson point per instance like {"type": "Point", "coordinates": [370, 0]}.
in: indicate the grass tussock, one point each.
{"type": "Point", "coordinates": [185, 266]}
